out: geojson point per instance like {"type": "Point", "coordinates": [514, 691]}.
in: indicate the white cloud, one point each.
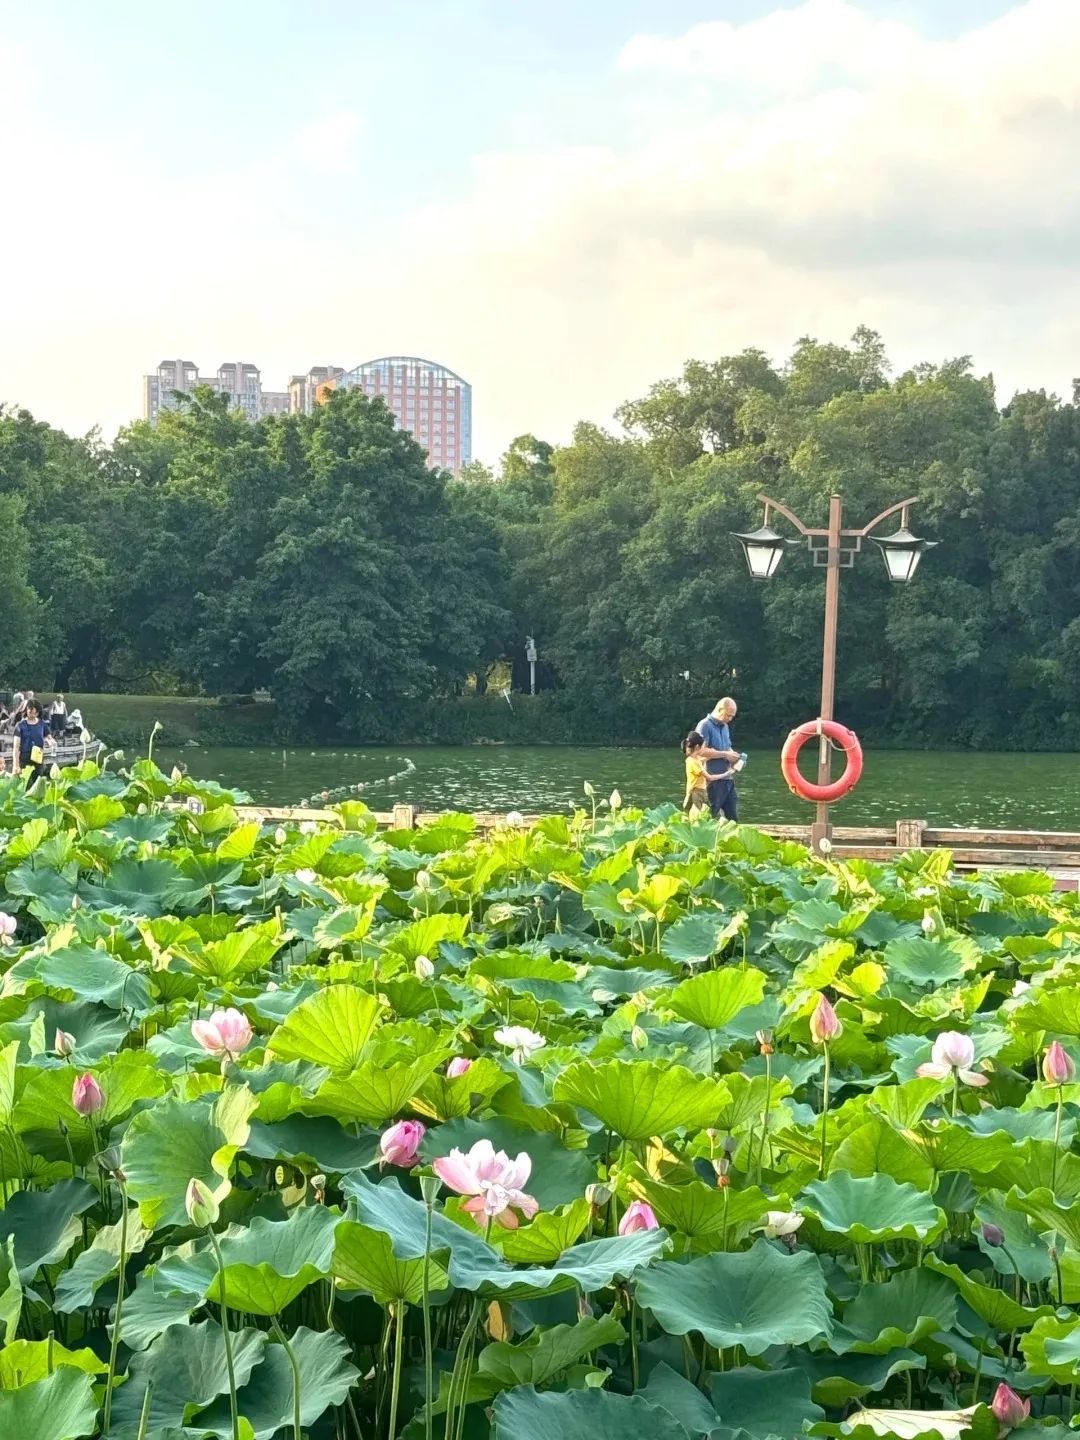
{"type": "Point", "coordinates": [329, 145]}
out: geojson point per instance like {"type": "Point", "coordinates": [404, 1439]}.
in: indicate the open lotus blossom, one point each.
{"type": "Point", "coordinates": [639, 1216]}
{"type": "Point", "coordinates": [1057, 1066]}
{"type": "Point", "coordinates": [492, 1181]}
{"type": "Point", "coordinates": [7, 928]}
{"type": "Point", "coordinates": [306, 877]}
{"type": "Point", "coordinates": [87, 1096]}
{"type": "Point", "coordinates": [825, 1025]}
{"type": "Point", "coordinates": [63, 1043]}
{"type": "Point", "coordinates": [953, 1054]}
{"type": "Point", "coordinates": [1009, 1410]}
{"type": "Point", "coordinates": [225, 1034]}
{"type": "Point", "coordinates": [423, 969]}
{"type": "Point", "coordinates": [780, 1223]}
{"type": "Point", "coordinates": [399, 1145]}
{"type": "Point", "coordinates": [460, 1065]}
{"type": "Point", "coordinates": [515, 820]}
{"type": "Point", "coordinates": [521, 1041]}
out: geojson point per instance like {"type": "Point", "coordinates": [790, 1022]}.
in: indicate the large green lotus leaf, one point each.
{"type": "Point", "coordinates": [237, 956]}
{"type": "Point", "coordinates": [545, 1354]}
{"type": "Point", "coordinates": [947, 1146]}
{"type": "Point", "coordinates": [715, 998]}
{"type": "Point", "coordinates": [141, 828]}
{"type": "Point", "coordinates": [425, 936]}
{"type": "Point", "coordinates": [996, 1307]}
{"type": "Point", "coordinates": [135, 887]}
{"type": "Point", "coordinates": [100, 1261]}
{"type": "Point", "coordinates": [837, 1380]}
{"type": "Point", "coordinates": [268, 1263]}
{"type": "Point", "coordinates": [590, 1267]}
{"type": "Point", "coordinates": [764, 1402]}
{"type": "Point", "coordinates": [239, 844]}
{"type": "Point", "coordinates": [670, 1391]}
{"type": "Point", "coordinates": [1052, 1008]}
{"type": "Point", "coordinates": [1022, 1124]}
{"type": "Point", "coordinates": [1052, 1347]}
{"type": "Point", "coordinates": [1024, 1249]}
{"type": "Point", "coordinates": [187, 1368]}
{"type": "Point", "coordinates": [757, 1298]}
{"type": "Point", "coordinates": [331, 1028]}
{"type": "Point", "coordinates": [703, 1212]}
{"type": "Point", "coordinates": [929, 962]}
{"type": "Point", "coordinates": [93, 975]}
{"type": "Point", "coordinates": [317, 1139]}
{"type": "Point", "coordinates": [46, 1097]}
{"type": "Point", "coordinates": [447, 1099]}
{"type": "Point", "coordinates": [374, 1092]}
{"type": "Point", "coordinates": [387, 1208]}
{"type": "Point", "coordinates": [50, 891]}
{"type": "Point", "coordinates": [546, 1236]}
{"type": "Point", "coordinates": [581, 1415]}
{"type": "Point", "coordinates": [747, 1100]}
{"type": "Point", "coordinates": [971, 1424]}
{"type": "Point", "coordinates": [11, 1291]}
{"type": "Point", "coordinates": [148, 1312]}
{"type": "Point", "coordinates": [876, 1148]}
{"type": "Point", "coordinates": [870, 1209]}
{"type": "Point", "coordinates": [266, 1401]}
{"type": "Point", "coordinates": [175, 1142]}
{"type": "Point", "coordinates": [1046, 1214]}
{"type": "Point", "coordinates": [638, 1100]}
{"type": "Point", "coordinates": [44, 1225]}
{"type": "Point", "coordinates": [98, 1030]}
{"type": "Point", "coordinates": [558, 1177]}
{"type": "Point", "coordinates": [25, 1361]}
{"type": "Point", "coordinates": [694, 938]}
{"type": "Point", "coordinates": [898, 1313]}
{"type": "Point", "coordinates": [60, 1407]}
{"type": "Point", "coordinates": [364, 1259]}
{"type": "Point", "coordinates": [197, 878]}
{"type": "Point", "coordinates": [1036, 1165]}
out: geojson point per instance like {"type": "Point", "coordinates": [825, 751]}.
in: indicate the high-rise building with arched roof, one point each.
{"type": "Point", "coordinates": [429, 401]}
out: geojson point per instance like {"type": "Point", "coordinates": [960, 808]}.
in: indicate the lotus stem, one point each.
{"type": "Point", "coordinates": [1057, 1143]}
{"type": "Point", "coordinates": [280, 1333]}
{"type": "Point", "coordinates": [429, 1359]}
{"type": "Point", "coordinates": [399, 1361]}
{"type": "Point", "coordinates": [824, 1115]}
{"type": "Point", "coordinates": [118, 1314]}
{"type": "Point", "coordinates": [144, 1417]}
{"type": "Point", "coordinates": [449, 1425]}
{"type": "Point", "coordinates": [233, 1410]}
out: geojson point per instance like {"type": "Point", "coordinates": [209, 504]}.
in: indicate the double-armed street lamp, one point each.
{"type": "Point", "coordinates": [833, 548]}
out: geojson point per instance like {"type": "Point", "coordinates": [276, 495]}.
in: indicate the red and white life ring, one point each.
{"type": "Point", "coordinates": [843, 738]}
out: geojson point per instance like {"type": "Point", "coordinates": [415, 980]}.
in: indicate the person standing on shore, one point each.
{"type": "Point", "coordinates": [719, 755]}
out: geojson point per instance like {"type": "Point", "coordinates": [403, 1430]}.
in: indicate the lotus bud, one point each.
{"type": "Point", "coordinates": [993, 1235]}
{"type": "Point", "coordinates": [590, 790]}
{"type": "Point", "coordinates": [639, 1216]}
{"type": "Point", "coordinates": [280, 835]}
{"type": "Point", "coordinates": [638, 1038]}
{"type": "Point", "coordinates": [399, 1144]}
{"type": "Point", "coordinates": [825, 845]}
{"type": "Point", "coordinates": [1057, 1066]}
{"type": "Point", "coordinates": [87, 1096]}
{"type": "Point", "coordinates": [7, 928]}
{"type": "Point", "coordinates": [615, 800]}
{"type": "Point", "coordinates": [598, 1195]}
{"type": "Point", "coordinates": [63, 1044]}
{"type": "Point", "coordinates": [928, 925]}
{"type": "Point", "coordinates": [824, 1024]}
{"type": "Point", "coordinates": [202, 1209]}
{"type": "Point", "coordinates": [423, 969]}
{"type": "Point", "coordinates": [308, 827]}
{"type": "Point", "coordinates": [423, 880]}
{"type": "Point", "coordinates": [76, 903]}
{"type": "Point", "coordinates": [1009, 1410]}
{"type": "Point", "coordinates": [141, 809]}
{"type": "Point", "coordinates": [515, 820]}
{"type": "Point", "coordinates": [306, 877]}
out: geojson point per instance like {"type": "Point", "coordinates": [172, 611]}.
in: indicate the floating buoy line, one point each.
{"type": "Point", "coordinates": [343, 792]}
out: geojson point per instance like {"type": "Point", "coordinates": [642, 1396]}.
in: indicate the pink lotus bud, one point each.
{"type": "Point", "coordinates": [639, 1216]}
{"type": "Point", "coordinates": [63, 1043]}
{"type": "Point", "coordinates": [1057, 1065]}
{"type": "Point", "coordinates": [993, 1235]}
{"type": "Point", "coordinates": [86, 1095]}
{"type": "Point", "coordinates": [401, 1142]}
{"type": "Point", "coordinates": [7, 928]}
{"type": "Point", "coordinates": [824, 1023]}
{"type": "Point", "coordinates": [1009, 1410]}
{"type": "Point", "coordinates": [460, 1065]}
{"type": "Point", "coordinates": [202, 1209]}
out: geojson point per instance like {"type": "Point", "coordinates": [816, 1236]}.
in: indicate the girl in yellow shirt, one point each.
{"type": "Point", "coordinates": [697, 779]}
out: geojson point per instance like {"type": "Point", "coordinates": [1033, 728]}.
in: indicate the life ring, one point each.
{"type": "Point", "coordinates": [842, 737]}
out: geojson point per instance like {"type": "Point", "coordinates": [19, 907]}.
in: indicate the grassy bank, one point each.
{"type": "Point", "coordinates": [128, 720]}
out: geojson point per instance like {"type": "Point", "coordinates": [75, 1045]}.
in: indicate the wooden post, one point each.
{"type": "Point", "coordinates": [404, 817]}
{"type": "Point", "coordinates": [909, 834]}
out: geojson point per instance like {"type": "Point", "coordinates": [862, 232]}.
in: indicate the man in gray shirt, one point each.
{"type": "Point", "coordinates": [720, 756]}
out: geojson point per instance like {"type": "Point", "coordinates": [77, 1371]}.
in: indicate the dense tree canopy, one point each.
{"type": "Point", "coordinates": [319, 557]}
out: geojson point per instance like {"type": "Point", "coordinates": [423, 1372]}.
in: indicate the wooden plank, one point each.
{"type": "Point", "coordinates": [1024, 839]}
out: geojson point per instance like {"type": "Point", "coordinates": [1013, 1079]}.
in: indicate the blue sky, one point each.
{"type": "Point", "coordinates": [561, 201]}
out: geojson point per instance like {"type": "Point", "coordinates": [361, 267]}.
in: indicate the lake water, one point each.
{"type": "Point", "coordinates": [1038, 792]}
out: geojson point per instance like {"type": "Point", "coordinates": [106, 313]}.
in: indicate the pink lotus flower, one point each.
{"type": "Point", "coordinates": [63, 1043]}
{"type": "Point", "coordinates": [1057, 1065]}
{"type": "Point", "coordinates": [7, 928]}
{"type": "Point", "coordinates": [953, 1054]}
{"type": "Point", "coordinates": [824, 1023]}
{"type": "Point", "coordinates": [493, 1181]}
{"type": "Point", "coordinates": [460, 1065]}
{"type": "Point", "coordinates": [87, 1096]}
{"type": "Point", "coordinates": [399, 1144]}
{"type": "Point", "coordinates": [224, 1035]}
{"type": "Point", "coordinates": [639, 1216]}
{"type": "Point", "coordinates": [1009, 1410]}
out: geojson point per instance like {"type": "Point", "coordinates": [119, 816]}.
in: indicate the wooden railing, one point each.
{"type": "Point", "coordinates": [1056, 851]}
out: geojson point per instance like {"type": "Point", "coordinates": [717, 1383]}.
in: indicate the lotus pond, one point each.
{"type": "Point", "coordinates": [621, 1127]}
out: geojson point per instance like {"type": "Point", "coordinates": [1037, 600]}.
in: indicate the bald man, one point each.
{"type": "Point", "coordinates": [720, 757]}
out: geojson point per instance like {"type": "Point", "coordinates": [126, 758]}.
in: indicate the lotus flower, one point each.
{"type": "Point", "coordinates": [308, 827]}
{"type": "Point", "coordinates": [423, 880]}
{"type": "Point", "coordinates": [521, 1041]}
{"type": "Point", "coordinates": [63, 1043]}
{"type": "Point", "coordinates": [639, 1216]}
{"type": "Point", "coordinates": [825, 1025]}
{"type": "Point", "coordinates": [1009, 1410]}
{"type": "Point", "coordinates": [306, 877]}
{"type": "Point", "coordinates": [953, 1054]}
{"type": "Point", "coordinates": [460, 1065]}
{"type": "Point", "coordinates": [423, 969]}
{"type": "Point", "coordinates": [615, 800]}
{"type": "Point", "coordinates": [202, 1209]}
{"type": "Point", "coordinates": [7, 928]}
{"type": "Point", "coordinates": [399, 1144]}
{"type": "Point", "coordinates": [515, 820]}
{"type": "Point", "coordinates": [492, 1180]}
{"type": "Point", "coordinates": [993, 1235]}
{"type": "Point", "coordinates": [224, 1035]}
{"type": "Point", "coordinates": [781, 1223]}
{"type": "Point", "coordinates": [87, 1096]}
{"type": "Point", "coordinates": [1057, 1066]}
{"type": "Point", "coordinates": [280, 835]}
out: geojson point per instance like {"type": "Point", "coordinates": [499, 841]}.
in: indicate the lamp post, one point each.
{"type": "Point", "coordinates": [834, 548]}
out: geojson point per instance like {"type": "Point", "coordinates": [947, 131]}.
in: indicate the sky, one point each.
{"type": "Point", "coordinates": [563, 202]}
